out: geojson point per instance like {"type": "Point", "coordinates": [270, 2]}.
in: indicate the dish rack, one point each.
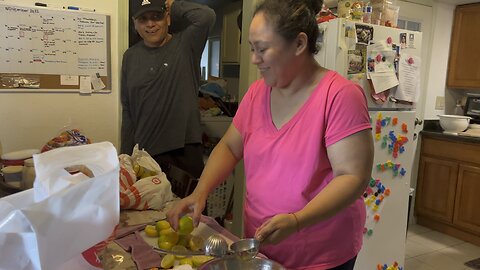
{"type": "Point", "coordinates": [219, 201]}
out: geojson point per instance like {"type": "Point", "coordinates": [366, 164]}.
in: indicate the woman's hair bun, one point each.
{"type": "Point", "coordinates": [314, 5]}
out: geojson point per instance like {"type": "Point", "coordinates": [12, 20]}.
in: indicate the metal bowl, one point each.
{"type": "Point", "coordinates": [245, 249]}
{"type": "Point", "coordinates": [234, 263]}
{"type": "Point", "coordinates": [216, 246]}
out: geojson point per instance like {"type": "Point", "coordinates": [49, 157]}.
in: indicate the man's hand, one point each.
{"type": "Point", "coordinates": [169, 4]}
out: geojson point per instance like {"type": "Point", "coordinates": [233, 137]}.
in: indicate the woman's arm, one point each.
{"type": "Point", "coordinates": [351, 159]}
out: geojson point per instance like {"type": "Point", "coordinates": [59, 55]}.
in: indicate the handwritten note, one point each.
{"type": "Point", "coordinates": [383, 81]}
{"type": "Point", "coordinates": [85, 85]}
{"type": "Point", "coordinates": [69, 80]}
{"type": "Point", "coordinates": [409, 77]}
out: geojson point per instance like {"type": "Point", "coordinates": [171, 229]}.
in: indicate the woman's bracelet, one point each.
{"type": "Point", "coordinates": [296, 222]}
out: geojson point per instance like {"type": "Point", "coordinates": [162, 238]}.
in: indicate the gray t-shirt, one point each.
{"type": "Point", "coordinates": [159, 86]}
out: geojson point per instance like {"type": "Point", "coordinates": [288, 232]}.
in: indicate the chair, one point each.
{"type": "Point", "coordinates": [183, 183]}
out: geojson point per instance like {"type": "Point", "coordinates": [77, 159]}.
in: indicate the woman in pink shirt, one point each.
{"type": "Point", "coordinates": [304, 134]}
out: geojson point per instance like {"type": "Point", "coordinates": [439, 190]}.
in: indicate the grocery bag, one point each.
{"type": "Point", "coordinates": [145, 187]}
{"type": "Point", "coordinates": [63, 214]}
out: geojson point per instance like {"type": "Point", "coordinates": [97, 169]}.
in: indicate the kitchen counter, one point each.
{"type": "Point", "coordinates": [433, 129]}
{"type": "Point", "coordinates": [448, 184]}
{"type": "Point", "coordinates": [215, 126]}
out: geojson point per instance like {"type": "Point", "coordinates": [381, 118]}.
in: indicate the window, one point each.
{"type": "Point", "coordinates": [409, 25]}
{"type": "Point", "coordinates": [214, 57]}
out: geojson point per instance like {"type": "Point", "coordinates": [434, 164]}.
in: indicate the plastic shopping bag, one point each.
{"type": "Point", "coordinates": [64, 214]}
{"type": "Point", "coordinates": [145, 187]}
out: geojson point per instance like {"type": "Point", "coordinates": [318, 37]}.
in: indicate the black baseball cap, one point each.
{"type": "Point", "coordinates": [141, 6]}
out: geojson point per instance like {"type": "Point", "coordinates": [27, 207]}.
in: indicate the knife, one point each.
{"type": "Point", "coordinates": [179, 253]}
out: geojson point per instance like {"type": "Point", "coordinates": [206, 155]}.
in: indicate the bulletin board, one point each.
{"type": "Point", "coordinates": [44, 49]}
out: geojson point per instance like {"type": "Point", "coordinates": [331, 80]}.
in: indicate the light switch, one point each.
{"type": "Point", "coordinates": [440, 103]}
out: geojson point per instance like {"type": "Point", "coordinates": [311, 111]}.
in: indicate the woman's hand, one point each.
{"type": "Point", "coordinates": [192, 203]}
{"type": "Point", "coordinates": [277, 229]}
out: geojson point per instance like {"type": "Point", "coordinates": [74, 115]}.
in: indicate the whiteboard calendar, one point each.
{"type": "Point", "coordinates": [36, 40]}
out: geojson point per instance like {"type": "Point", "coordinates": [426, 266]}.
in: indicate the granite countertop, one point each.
{"type": "Point", "coordinates": [432, 128]}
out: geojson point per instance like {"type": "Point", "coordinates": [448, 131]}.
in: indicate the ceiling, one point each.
{"type": "Point", "coordinates": [458, 2]}
{"type": "Point", "coordinates": [214, 3]}
{"type": "Point", "coordinates": [218, 3]}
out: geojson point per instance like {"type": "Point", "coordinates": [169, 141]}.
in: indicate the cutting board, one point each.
{"type": "Point", "coordinates": [470, 133]}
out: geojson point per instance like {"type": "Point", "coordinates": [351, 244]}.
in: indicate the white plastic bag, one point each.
{"type": "Point", "coordinates": [63, 215]}
{"type": "Point", "coordinates": [142, 158]}
{"type": "Point", "coordinates": [149, 192]}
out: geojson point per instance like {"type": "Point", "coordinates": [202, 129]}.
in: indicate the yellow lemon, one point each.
{"type": "Point", "coordinates": [165, 245]}
{"type": "Point", "coordinates": [201, 259]}
{"type": "Point", "coordinates": [162, 225]}
{"type": "Point", "coordinates": [184, 240]}
{"type": "Point", "coordinates": [165, 231]}
{"type": "Point", "coordinates": [147, 173]}
{"type": "Point", "coordinates": [136, 168]}
{"type": "Point", "coordinates": [196, 243]}
{"type": "Point", "coordinates": [187, 260]}
{"type": "Point", "coordinates": [170, 236]}
{"type": "Point", "coordinates": [140, 170]}
{"type": "Point", "coordinates": [167, 261]}
{"type": "Point", "coordinates": [185, 225]}
{"type": "Point", "coordinates": [151, 231]}
{"type": "Point", "coordinates": [178, 248]}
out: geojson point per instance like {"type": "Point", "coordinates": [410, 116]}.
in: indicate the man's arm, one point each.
{"type": "Point", "coordinates": [127, 131]}
{"type": "Point", "coordinates": [197, 19]}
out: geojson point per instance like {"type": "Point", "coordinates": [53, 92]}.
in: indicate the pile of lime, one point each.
{"type": "Point", "coordinates": [178, 241]}
{"type": "Point", "coordinates": [142, 172]}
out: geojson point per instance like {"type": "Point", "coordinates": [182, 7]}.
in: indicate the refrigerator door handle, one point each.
{"type": "Point", "coordinates": [418, 122]}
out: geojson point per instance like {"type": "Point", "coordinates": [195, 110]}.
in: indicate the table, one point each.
{"type": "Point", "coordinates": [113, 257]}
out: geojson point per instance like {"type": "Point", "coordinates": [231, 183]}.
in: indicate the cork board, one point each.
{"type": "Point", "coordinates": [44, 49]}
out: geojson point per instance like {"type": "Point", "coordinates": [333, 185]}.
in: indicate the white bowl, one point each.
{"type": "Point", "coordinates": [454, 123]}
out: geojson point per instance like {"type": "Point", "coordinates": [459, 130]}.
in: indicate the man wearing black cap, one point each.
{"type": "Point", "coordinates": [160, 79]}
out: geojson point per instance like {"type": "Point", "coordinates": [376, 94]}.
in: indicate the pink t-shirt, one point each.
{"type": "Point", "coordinates": [286, 168]}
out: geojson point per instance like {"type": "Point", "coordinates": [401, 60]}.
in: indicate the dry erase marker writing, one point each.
{"type": "Point", "coordinates": [73, 8]}
{"type": "Point", "coordinates": [88, 9]}
{"type": "Point", "coordinates": [40, 4]}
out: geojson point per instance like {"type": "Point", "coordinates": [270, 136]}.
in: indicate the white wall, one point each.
{"type": "Point", "coordinates": [29, 120]}
{"type": "Point", "coordinates": [437, 74]}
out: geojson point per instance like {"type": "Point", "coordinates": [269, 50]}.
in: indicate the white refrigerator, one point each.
{"type": "Point", "coordinates": [392, 115]}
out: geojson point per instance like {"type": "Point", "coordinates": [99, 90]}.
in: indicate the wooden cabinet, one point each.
{"type": "Point", "coordinates": [448, 186]}
{"type": "Point", "coordinates": [463, 65]}
{"type": "Point", "coordinates": [439, 180]}
{"type": "Point", "coordinates": [231, 34]}
{"type": "Point", "coordinates": [467, 200]}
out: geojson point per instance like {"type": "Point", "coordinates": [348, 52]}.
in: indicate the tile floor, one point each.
{"type": "Point", "coordinates": [430, 250]}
